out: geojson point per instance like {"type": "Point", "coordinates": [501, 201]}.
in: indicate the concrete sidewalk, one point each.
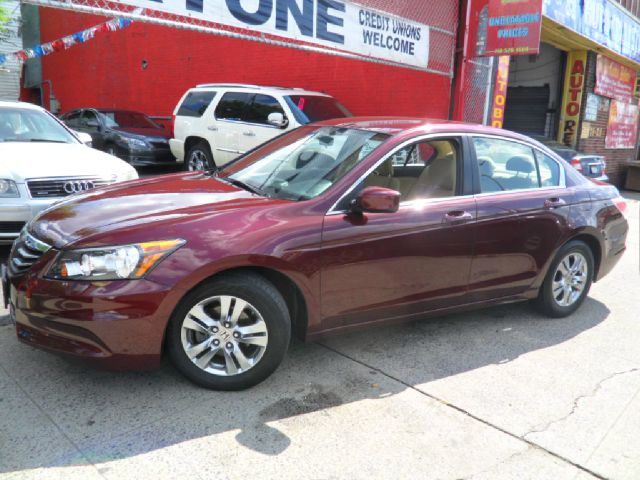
{"type": "Point", "coordinates": [500, 393]}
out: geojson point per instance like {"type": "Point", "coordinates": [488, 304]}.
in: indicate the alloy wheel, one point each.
{"type": "Point", "coordinates": [570, 279]}
{"type": "Point", "coordinates": [224, 335]}
{"type": "Point", "coordinates": [197, 161]}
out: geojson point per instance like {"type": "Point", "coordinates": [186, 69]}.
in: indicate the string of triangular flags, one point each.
{"type": "Point", "coordinates": [67, 42]}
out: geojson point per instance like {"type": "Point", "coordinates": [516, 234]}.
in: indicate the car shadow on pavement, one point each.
{"type": "Point", "coordinates": [106, 418]}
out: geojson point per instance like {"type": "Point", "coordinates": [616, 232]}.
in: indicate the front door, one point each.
{"type": "Point", "coordinates": [380, 266]}
{"type": "Point", "coordinates": [256, 117]}
{"type": "Point", "coordinates": [224, 135]}
{"type": "Point", "coordinates": [522, 212]}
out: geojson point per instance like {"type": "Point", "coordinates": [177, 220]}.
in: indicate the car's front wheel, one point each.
{"type": "Point", "coordinates": [568, 280]}
{"type": "Point", "coordinates": [230, 333]}
{"type": "Point", "coordinates": [199, 157]}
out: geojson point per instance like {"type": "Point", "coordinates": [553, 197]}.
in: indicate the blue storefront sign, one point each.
{"type": "Point", "coordinates": [601, 21]}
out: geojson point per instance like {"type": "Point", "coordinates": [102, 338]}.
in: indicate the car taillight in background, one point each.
{"type": "Point", "coordinates": [576, 163]}
{"type": "Point", "coordinates": [621, 204]}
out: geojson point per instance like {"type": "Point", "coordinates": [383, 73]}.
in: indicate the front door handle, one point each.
{"type": "Point", "coordinates": [213, 128]}
{"type": "Point", "coordinates": [249, 134]}
{"type": "Point", "coordinates": [457, 216]}
{"type": "Point", "coordinates": [554, 202]}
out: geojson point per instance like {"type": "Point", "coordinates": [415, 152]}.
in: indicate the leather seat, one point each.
{"type": "Point", "coordinates": [438, 179]}
{"type": "Point", "coordinates": [523, 167]}
{"type": "Point", "coordinates": [383, 177]}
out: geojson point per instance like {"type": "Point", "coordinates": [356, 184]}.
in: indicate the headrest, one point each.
{"type": "Point", "coordinates": [487, 167]}
{"type": "Point", "coordinates": [385, 169]}
{"type": "Point", "coordinates": [520, 163]}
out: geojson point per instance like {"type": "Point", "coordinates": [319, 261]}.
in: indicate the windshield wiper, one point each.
{"type": "Point", "coordinates": [46, 140]}
{"type": "Point", "coordinates": [245, 186]}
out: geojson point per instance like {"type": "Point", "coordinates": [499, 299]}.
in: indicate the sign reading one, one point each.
{"type": "Point", "coordinates": [514, 27]}
{"type": "Point", "coordinates": [500, 92]}
{"type": "Point", "coordinates": [614, 80]}
{"type": "Point", "coordinates": [572, 98]}
{"type": "Point", "coordinates": [332, 23]}
{"type": "Point", "coordinates": [622, 130]}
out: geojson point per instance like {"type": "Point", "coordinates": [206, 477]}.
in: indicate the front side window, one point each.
{"type": "Point", "coordinates": [27, 125]}
{"type": "Point", "coordinates": [303, 163]}
{"type": "Point", "coordinates": [232, 105]}
{"type": "Point", "coordinates": [505, 165]}
{"type": "Point", "coordinates": [195, 104]}
{"type": "Point", "coordinates": [127, 119]}
{"type": "Point", "coordinates": [260, 109]}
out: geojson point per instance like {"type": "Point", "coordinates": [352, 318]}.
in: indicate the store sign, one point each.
{"type": "Point", "coordinates": [614, 80]}
{"type": "Point", "coordinates": [591, 108]}
{"type": "Point", "coordinates": [622, 130]}
{"type": "Point", "coordinates": [331, 23]}
{"type": "Point", "coordinates": [602, 21]}
{"type": "Point", "coordinates": [514, 27]}
{"type": "Point", "coordinates": [500, 92]}
{"type": "Point", "coordinates": [572, 97]}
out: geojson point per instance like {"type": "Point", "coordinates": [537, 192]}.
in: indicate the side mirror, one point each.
{"type": "Point", "coordinates": [277, 120]}
{"type": "Point", "coordinates": [376, 200]}
{"type": "Point", "coordinates": [84, 138]}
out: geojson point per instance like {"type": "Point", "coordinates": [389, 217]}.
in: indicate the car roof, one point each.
{"type": "Point", "coordinates": [262, 88]}
{"type": "Point", "coordinates": [397, 125]}
{"type": "Point", "coordinates": [31, 106]}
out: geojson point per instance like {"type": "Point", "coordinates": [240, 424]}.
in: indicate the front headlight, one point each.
{"type": "Point", "coordinates": [112, 263]}
{"type": "Point", "coordinates": [135, 142]}
{"type": "Point", "coordinates": [8, 189]}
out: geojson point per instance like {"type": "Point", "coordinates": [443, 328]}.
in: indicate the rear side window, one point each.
{"type": "Point", "coordinates": [232, 106]}
{"type": "Point", "coordinates": [505, 165]}
{"type": "Point", "coordinates": [195, 104]}
{"type": "Point", "coordinates": [315, 108]}
{"type": "Point", "coordinates": [549, 170]}
{"type": "Point", "coordinates": [260, 109]}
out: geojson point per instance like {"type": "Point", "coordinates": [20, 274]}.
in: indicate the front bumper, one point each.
{"type": "Point", "coordinates": [15, 212]}
{"type": "Point", "coordinates": [117, 325]}
{"type": "Point", "coordinates": [177, 148]}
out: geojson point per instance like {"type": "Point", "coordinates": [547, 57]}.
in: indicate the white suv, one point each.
{"type": "Point", "coordinates": [214, 123]}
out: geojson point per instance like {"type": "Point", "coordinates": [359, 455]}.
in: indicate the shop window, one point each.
{"type": "Point", "coordinates": [505, 165]}
{"type": "Point", "coordinates": [232, 106]}
{"type": "Point", "coordinates": [260, 109]}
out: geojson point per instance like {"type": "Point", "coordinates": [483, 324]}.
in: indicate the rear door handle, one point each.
{"type": "Point", "coordinates": [213, 128]}
{"type": "Point", "coordinates": [457, 216]}
{"type": "Point", "coordinates": [249, 134]}
{"type": "Point", "coordinates": [554, 202]}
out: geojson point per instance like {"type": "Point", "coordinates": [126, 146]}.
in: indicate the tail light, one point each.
{"type": "Point", "coordinates": [576, 163]}
{"type": "Point", "coordinates": [621, 205]}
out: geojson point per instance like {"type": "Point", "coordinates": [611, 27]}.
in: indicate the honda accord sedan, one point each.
{"type": "Point", "coordinates": [330, 227]}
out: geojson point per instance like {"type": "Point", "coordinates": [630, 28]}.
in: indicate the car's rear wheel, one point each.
{"type": "Point", "coordinates": [199, 157]}
{"type": "Point", "coordinates": [230, 333]}
{"type": "Point", "coordinates": [568, 280]}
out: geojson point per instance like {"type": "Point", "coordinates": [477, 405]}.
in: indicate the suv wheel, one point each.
{"type": "Point", "coordinates": [199, 158]}
{"type": "Point", "coordinates": [230, 333]}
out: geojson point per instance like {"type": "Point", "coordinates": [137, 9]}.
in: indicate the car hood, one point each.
{"type": "Point", "coordinates": [144, 132]}
{"type": "Point", "coordinates": [21, 160]}
{"type": "Point", "coordinates": [124, 213]}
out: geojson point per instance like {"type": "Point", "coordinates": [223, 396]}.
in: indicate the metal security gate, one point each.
{"type": "Point", "coordinates": [526, 109]}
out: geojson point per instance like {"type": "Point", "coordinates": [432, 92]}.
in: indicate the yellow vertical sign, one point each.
{"type": "Point", "coordinates": [572, 97]}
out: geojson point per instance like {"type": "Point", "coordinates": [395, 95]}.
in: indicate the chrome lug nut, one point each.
{"type": "Point", "coordinates": [214, 329]}
{"type": "Point", "coordinates": [227, 325]}
{"type": "Point", "coordinates": [236, 335]}
{"type": "Point", "coordinates": [216, 342]}
{"type": "Point", "coordinates": [230, 346]}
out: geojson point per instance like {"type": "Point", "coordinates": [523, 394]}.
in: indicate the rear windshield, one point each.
{"type": "Point", "coordinates": [315, 108]}
{"type": "Point", "coordinates": [195, 104]}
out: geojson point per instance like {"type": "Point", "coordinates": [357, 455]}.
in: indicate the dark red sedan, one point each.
{"type": "Point", "coordinates": [330, 227]}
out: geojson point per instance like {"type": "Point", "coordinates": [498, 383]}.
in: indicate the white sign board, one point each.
{"type": "Point", "coordinates": [331, 23]}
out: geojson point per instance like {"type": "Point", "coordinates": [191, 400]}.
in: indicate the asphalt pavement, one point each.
{"type": "Point", "coordinates": [502, 393]}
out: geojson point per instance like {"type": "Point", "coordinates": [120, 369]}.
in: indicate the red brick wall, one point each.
{"type": "Point", "coordinates": [108, 72]}
{"type": "Point", "coordinates": [615, 158]}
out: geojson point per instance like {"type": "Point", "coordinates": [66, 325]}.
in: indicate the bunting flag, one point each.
{"type": "Point", "coordinates": [66, 42]}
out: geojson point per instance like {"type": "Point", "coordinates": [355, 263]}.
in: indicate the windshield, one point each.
{"type": "Point", "coordinates": [27, 125]}
{"type": "Point", "coordinates": [124, 119]}
{"type": "Point", "coordinates": [315, 108]}
{"type": "Point", "coordinates": [304, 163]}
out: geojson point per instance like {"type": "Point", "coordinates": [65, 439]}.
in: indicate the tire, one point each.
{"type": "Point", "coordinates": [231, 364]}
{"type": "Point", "coordinates": [555, 299]}
{"type": "Point", "coordinates": [199, 157]}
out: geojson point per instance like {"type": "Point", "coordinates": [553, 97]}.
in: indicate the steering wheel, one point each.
{"type": "Point", "coordinates": [495, 181]}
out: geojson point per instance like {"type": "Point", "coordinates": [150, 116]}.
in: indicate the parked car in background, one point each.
{"type": "Point", "coordinates": [131, 136]}
{"type": "Point", "coordinates": [214, 123]}
{"type": "Point", "coordinates": [42, 161]}
{"type": "Point", "coordinates": [332, 226]}
{"type": "Point", "coordinates": [591, 166]}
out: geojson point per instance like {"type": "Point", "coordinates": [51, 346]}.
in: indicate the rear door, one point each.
{"type": "Point", "coordinates": [523, 211]}
{"type": "Point", "coordinates": [230, 126]}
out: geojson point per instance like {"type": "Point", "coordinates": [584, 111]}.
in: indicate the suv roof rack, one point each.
{"type": "Point", "coordinates": [244, 85]}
